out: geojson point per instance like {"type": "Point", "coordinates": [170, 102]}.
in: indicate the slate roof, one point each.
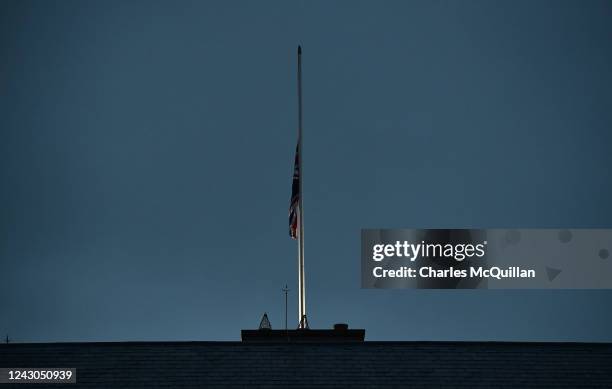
{"type": "Point", "coordinates": [307, 365]}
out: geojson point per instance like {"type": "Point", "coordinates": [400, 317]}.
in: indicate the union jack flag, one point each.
{"type": "Point", "coordinates": [295, 196]}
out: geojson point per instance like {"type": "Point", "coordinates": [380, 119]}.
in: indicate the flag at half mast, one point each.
{"type": "Point", "coordinates": [296, 207]}
{"type": "Point", "coordinates": [295, 196]}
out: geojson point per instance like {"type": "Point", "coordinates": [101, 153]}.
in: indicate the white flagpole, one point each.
{"type": "Point", "coordinates": [301, 289]}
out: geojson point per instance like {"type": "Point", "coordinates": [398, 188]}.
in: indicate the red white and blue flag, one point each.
{"type": "Point", "coordinates": [295, 196]}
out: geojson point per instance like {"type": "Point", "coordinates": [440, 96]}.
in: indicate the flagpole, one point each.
{"type": "Point", "coordinates": [303, 323]}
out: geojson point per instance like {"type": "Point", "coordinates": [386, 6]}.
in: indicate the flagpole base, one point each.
{"type": "Point", "coordinates": [303, 323]}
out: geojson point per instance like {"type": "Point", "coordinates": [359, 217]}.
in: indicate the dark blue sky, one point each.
{"type": "Point", "coordinates": [146, 158]}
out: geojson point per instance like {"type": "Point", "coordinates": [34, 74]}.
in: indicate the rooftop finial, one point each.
{"type": "Point", "coordinates": [264, 324]}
